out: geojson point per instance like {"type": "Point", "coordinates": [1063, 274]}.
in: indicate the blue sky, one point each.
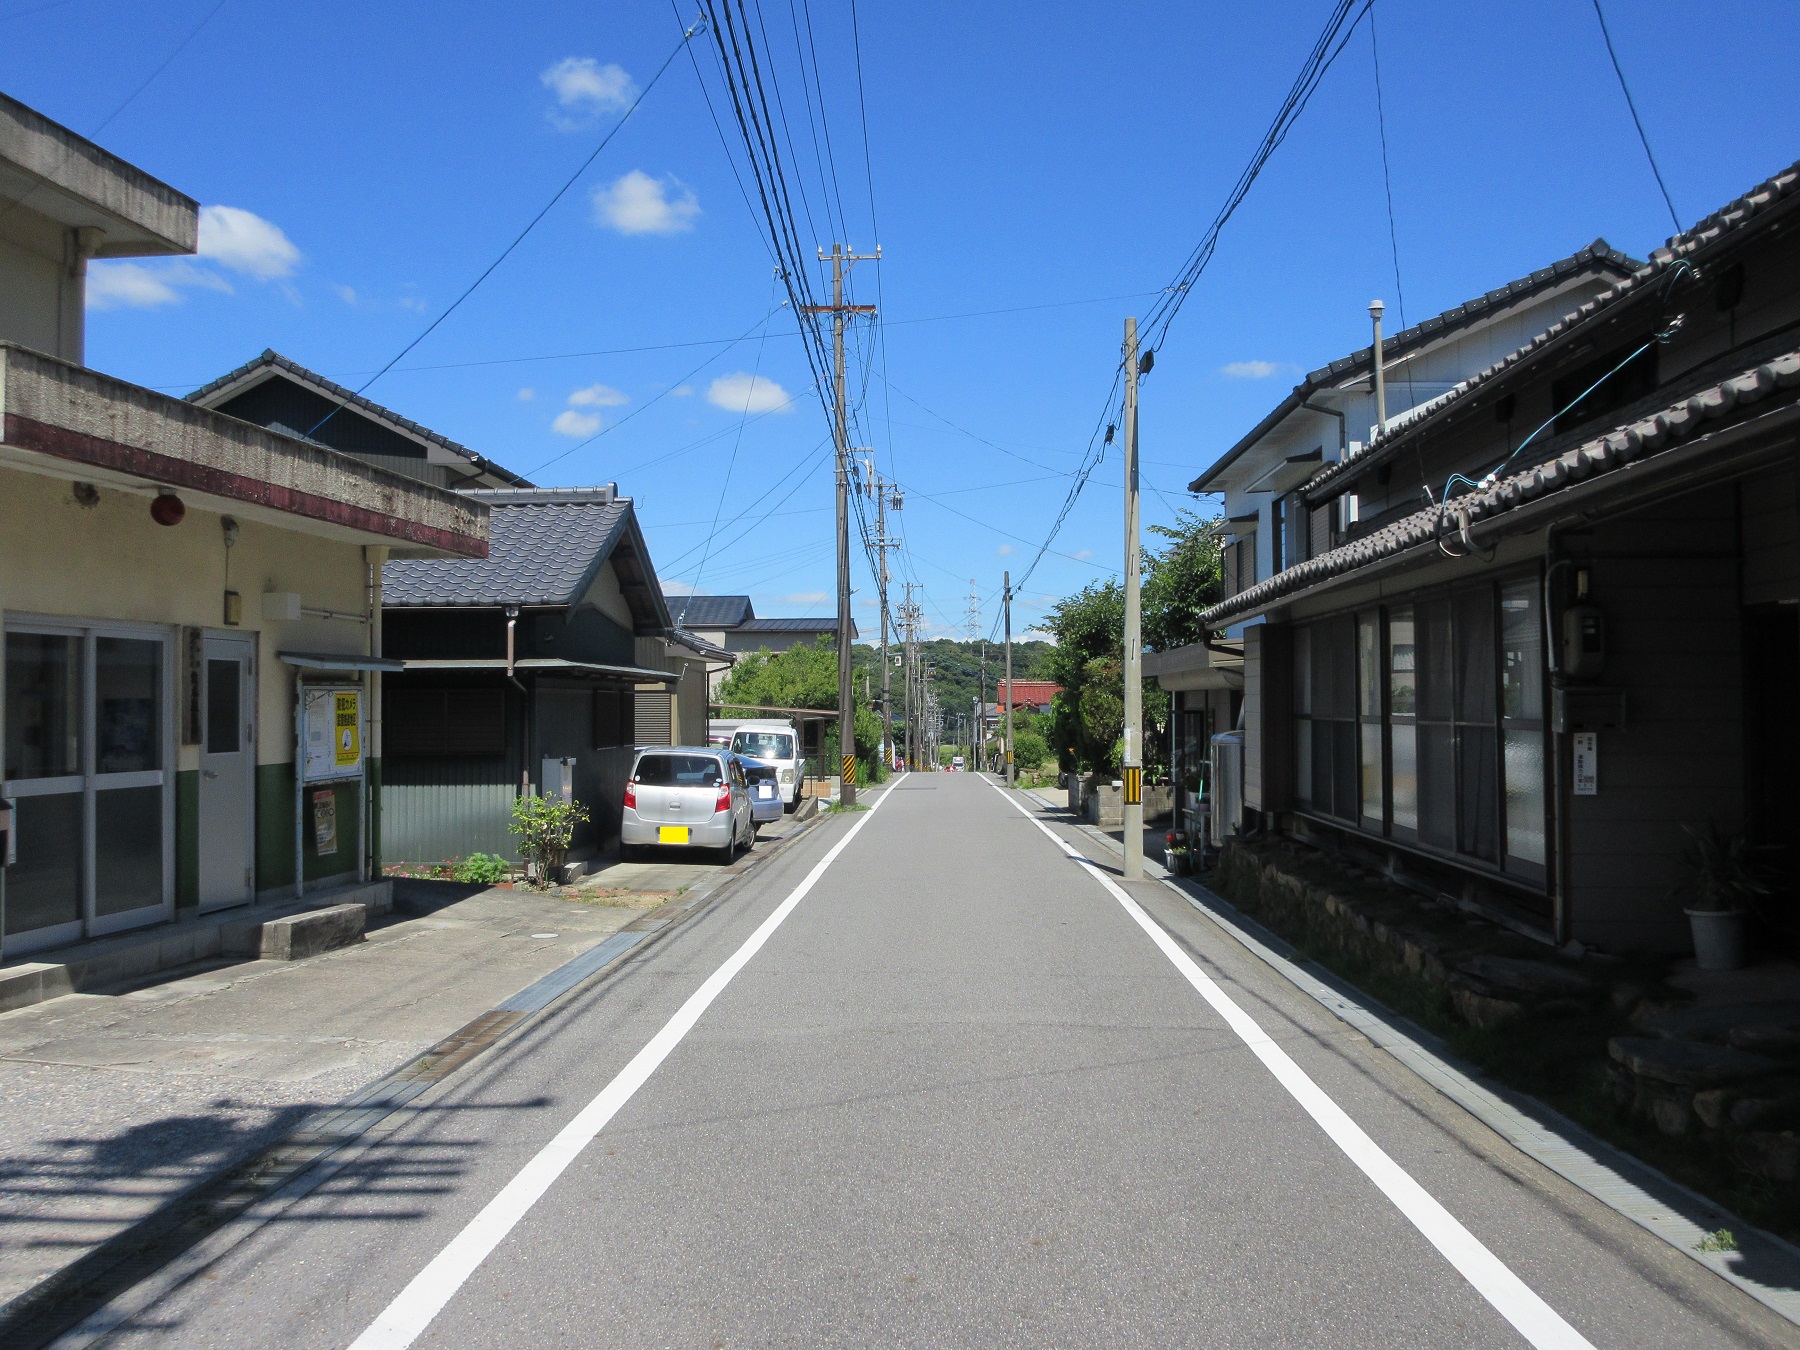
{"type": "Point", "coordinates": [366, 161]}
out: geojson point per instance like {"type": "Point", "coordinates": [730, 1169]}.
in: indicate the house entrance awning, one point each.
{"type": "Point", "coordinates": [547, 665]}
{"type": "Point", "coordinates": [334, 661]}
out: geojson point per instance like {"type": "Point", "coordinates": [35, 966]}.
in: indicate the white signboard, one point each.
{"type": "Point", "coordinates": [331, 732]}
{"type": "Point", "coordinates": [1587, 763]}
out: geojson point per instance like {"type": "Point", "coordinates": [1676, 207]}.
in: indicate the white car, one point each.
{"type": "Point", "coordinates": [776, 743]}
{"type": "Point", "coordinates": [688, 797]}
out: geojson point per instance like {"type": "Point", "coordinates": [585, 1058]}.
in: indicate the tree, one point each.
{"type": "Point", "coordinates": [1181, 581]}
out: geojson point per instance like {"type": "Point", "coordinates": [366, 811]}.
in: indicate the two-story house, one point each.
{"type": "Point", "coordinates": [1327, 418]}
{"type": "Point", "coordinates": [189, 609]}
{"type": "Point", "coordinates": [1567, 630]}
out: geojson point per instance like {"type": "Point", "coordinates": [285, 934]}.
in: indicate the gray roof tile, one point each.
{"type": "Point", "coordinates": [543, 548]}
{"type": "Point", "coordinates": [710, 611]}
{"type": "Point", "coordinates": [1604, 454]}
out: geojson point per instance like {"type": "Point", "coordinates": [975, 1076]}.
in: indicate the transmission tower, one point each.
{"type": "Point", "coordinates": [972, 624]}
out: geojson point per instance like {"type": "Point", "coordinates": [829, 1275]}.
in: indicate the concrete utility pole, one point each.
{"type": "Point", "coordinates": [1375, 312]}
{"type": "Point", "coordinates": [1134, 635]}
{"type": "Point", "coordinates": [981, 706]}
{"type": "Point", "coordinates": [846, 694]}
{"type": "Point", "coordinates": [878, 487]}
{"type": "Point", "coordinates": [909, 622]}
{"type": "Point", "coordinates": [1009, 684]}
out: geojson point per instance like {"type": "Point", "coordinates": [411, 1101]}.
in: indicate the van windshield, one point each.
{"type": "Point", "coordinates": [678, 771]}
{"type": "Point", "coordinates": [764, 744]}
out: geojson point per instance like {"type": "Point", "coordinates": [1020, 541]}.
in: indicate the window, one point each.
{"type": "Point", "coordinates": [1425, 721]}
{"type": "Point", "coordinates": [1403, 731]}
{"type": "Point", "coordinates": [1278, 528]}
{"type": "Point", "coordinates": [1368, 715]}
{"type": "Point", "coordinates": [677, 771]}
{"type": "Point", "coordinates": [444, 723]}
{"type": "Point", "coordinates": [764, 744]}
{"type": "Point", "coordinates": [614, 720]}
{"type": "Point", "coordinates": [1522, 724]}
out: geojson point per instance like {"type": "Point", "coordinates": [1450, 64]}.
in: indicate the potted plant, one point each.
{"type": "Point", "coordinates": [1723, 884]}
{"type": "Point", "coordinates": [1176, 849]}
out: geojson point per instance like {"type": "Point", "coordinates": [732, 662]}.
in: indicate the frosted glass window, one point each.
{"type": "Point", "coordinates": [1404, 747]}
{"type": "Point", "coordinates": [1525, 796]}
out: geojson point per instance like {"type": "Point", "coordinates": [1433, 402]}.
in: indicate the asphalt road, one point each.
{"type": "Point", "coordinates": [959, 1095]}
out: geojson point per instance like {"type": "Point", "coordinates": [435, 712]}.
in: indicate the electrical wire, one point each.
{"type": "Point", "coordinates": [1636, 121]}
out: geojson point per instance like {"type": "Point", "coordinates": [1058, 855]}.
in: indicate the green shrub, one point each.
{"type": "Point", "coordinates": [1029, 750]}
{"type": "Point", "coordinates": [480, 869]}
{"type": "Point", "coordinates": [545, 825]}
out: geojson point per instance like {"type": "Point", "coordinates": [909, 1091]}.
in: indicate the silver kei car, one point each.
{"type": "Point", "coordinates": [687, 796]}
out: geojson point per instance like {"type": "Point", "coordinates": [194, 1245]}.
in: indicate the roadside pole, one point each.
{"type": "Point", "coordinates": [846, 693]}
{"type": "Point", "coordinates": [1134, 643]}
{"type": "Point", "coordinates": [1009, 683]}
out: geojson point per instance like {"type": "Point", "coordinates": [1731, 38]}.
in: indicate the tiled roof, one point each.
{"type": "Point", "coordinates": [1682, 248]}
{"type": "Point", "coordinates": [1031, 691]}
{"type": "Point", "coordinates": [1604, 454]}
{"type": "Point", "coordinates": [1598, 256]}
{"type": "Point", "coordinates": [792, 626]}
{"type": "Point", "coordinates": [544, 546]}
{"type": "Point", "coordinates": [709, 611]}
{"type": "Point", "coordinates": [275, 361]}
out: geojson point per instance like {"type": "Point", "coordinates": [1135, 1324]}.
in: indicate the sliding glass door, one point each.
{"type": "Point", "coordinates": [88, 765]}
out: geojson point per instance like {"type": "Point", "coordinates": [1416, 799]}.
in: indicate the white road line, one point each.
{"type": "Point", "coordinates": [1511, 1297]}
{"type": "Point", "coordinates": [412, 1311]}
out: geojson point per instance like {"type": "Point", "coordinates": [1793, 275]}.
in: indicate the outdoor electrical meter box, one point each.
{"type": "Point", "coordinates": [1583, 642]}
{"type": "Point", "coordinates": [559, 779]}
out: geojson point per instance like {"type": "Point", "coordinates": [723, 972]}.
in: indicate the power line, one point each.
{"type": "Point", "coordinates": [529, 227]}
{"type": "Point", "coordinates": [1636, 121]}
{"type": "Point", "coordinates": [1387, 181]}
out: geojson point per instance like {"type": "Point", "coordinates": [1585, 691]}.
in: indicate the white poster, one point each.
{"type": "Point", "coordinates": [1587, 763]}
{"type": "Point", "coordinates": [332, 733]}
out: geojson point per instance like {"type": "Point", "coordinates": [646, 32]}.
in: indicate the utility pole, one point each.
{"type": "Point", "coordinates": [846, 694]}
{"type": "Point", "coordinates": [909, 620]}
{"type": "Point", "coordinates": [1134, 640]}
{"type": "Point", "coordinates": [1007, 583]}
{"type": "Point", "coordinates": [878, 487]}
{"type": "Point", "coordinates": [981, 705]}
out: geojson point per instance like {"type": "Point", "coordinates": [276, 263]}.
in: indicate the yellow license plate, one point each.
{"type": "Point", "coordinates": [672, 834]}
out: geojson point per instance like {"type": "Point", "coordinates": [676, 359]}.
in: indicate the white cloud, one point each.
{"type": "Point", "coordinates": [130, 285]}
{"type": "Point", "coordinates": [526, 395]}
{"type": "Point", "coordinates": [127, 285]}
{"type": "Point", "coordinates": [345, 293]}
{"type": "Point", "coordinates": [682, 391]}
{"type": "Point", "coordinates": [745, 393]}
{"type": "Point", "coordinates": [572, 423]}
{"type": "Point", "coordinates": [582, 83]}
{"type": "Point", "coordinates": [678, 588]}
{"type": "Point", "coordinates": [245, 242]}
{"type": "Point", "coordinates": [597, 396]}
{"type": "Point", "coordinates": [1250, 370]}
{"type": "Point", "coordinates": [640, 204]}
{"type": "Point", "coordinates": [1085, 554]}
{"type": "Point", "coordinates": [805, 598]}
{"type": "Point", "coordinates": [1004, 550]}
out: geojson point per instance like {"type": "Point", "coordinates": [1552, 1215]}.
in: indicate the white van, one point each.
{"type": "Point", "coordinates": [776, 742]}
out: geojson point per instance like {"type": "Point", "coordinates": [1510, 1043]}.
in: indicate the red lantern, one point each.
{"type": "Point", "coordinates": [167, 509]}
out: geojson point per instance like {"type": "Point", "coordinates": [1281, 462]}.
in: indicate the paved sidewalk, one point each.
{"type": "Point", "coordinates": [112, 1102]}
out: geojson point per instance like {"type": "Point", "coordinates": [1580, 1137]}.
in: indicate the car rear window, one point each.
{"type": "Point", "coordinates": [764, 744]}
{"type": "Point", "coordinates": [759, 773]}
{"type": "Point", "coordinates": [678, 771]}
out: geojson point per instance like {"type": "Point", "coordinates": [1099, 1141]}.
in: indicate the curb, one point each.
{"type": "Point", "coordinates": [82, 1303]}
{"type": "Point", "coordinates": [1625, 1184]}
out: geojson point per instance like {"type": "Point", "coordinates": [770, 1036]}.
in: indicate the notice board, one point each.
{"type": "Point", "coordinates": [331, 732]}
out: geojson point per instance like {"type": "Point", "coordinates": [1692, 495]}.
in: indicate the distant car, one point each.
{"type": "Point", "coordinates": [687, 796]}
{"type": "Point", "coordinates": [956, 764]}
{"type": "Point", "coordinates": [765, 791]}
{"type": "Point", "coordinates": [778, 743]}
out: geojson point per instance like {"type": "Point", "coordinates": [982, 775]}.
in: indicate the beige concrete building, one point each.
{"type": "Point", "coordinates": [176, 586]}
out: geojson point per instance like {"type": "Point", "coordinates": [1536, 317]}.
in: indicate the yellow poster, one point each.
{"type": "Point", "coordinates": [348, 722]}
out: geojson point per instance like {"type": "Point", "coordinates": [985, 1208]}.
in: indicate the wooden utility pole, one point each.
{"type": "Point", "coordinates": [1134, 638]}
{"type": "Point", "coordinates": [1009, 683]}
{"type": "Point", "coordinates": [846, 693]}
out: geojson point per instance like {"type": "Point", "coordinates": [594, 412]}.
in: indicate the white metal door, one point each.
{"type": "Point", "coordinates": [227, 834]}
